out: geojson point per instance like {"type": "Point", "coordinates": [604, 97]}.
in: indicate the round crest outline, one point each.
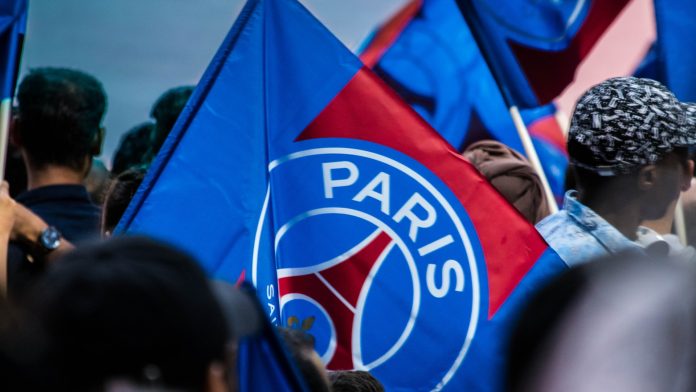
{"type": "Point", "coordinates": [462, 234]}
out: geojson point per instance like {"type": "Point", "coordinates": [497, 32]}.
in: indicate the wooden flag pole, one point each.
{"type": "Point", "coordinates": [5, 118]}
{"type": "Point", "coordinates": [531, 153]}
{"type": "Point", "coordinates": [522, 130]}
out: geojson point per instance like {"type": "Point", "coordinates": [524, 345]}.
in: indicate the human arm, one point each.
{"type": "Point", "coordinates": [27, 229]}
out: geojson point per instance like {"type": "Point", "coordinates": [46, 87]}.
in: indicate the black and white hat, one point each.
{"type": "Point", "coordinates": [625, 123]}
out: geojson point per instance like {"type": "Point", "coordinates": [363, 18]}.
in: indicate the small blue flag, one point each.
{"type": "Point", "coordinates": [534, 47]}
{"type": "Point", "coordinates": [427, 54]}
{"type": "Point", "coordinates": [13, 22]}
{"type": "Point", "coordinates": [676, 49]}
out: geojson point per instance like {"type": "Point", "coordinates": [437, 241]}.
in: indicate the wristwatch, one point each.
{"type": "Point", "coordinates": [49, 239]}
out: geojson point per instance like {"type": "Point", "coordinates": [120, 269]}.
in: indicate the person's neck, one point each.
{"type": "Point", "coordinates": [52, 175]}
{"type": "Point", "coordinates": [623, 215]}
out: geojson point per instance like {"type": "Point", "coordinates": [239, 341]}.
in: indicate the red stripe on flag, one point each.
{"type": "Point", "coordinates": [367, 109]}
{"type": "Point", "coordinates": [548, 129]}
{"type": "Point", "coordinates": [550, 72]}
{"type": "Point", "coordinates": [387, 34]}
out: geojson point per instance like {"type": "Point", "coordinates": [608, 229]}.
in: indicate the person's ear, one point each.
{"type": "Point", "coordinates": [98, 142]}
{"type": "Point", "coordinates": [647, 177]}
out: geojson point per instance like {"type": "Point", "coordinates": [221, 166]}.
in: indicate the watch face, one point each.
{"type": "Point", "coordinates": [50, 238]}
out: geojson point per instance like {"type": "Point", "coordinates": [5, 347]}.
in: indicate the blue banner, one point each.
{"type": "Point", "coordinates": [295, 167]}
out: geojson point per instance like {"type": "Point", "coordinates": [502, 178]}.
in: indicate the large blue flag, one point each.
{"type": "Point", "coordinates": [534, 47]}
{"type": "Point", "coordinates": [676, 49]}
{"type": "Point", "coordinates": [427, 54]}
{"type": "Point", "coordinates": [295, 167]}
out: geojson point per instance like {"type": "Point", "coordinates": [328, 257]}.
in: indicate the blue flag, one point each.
{"type": "Point", "coordinates": [427, 54]}
{"type": "Point", "coordinates": [295, 167]}
{"type": "Point", "coordinates": [13, 22]}
{"type": "Point", "coordinates": [676, 50]}
{"type": "Point", "coordinates": [263, 364]}
{"type": "Point", "coordinates": [534, 47]}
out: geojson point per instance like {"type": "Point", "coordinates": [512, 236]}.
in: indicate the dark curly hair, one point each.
{"type": "Point", "coordinates": [60, 112]}
{"type": "Point", "coordinates": [166, 111]}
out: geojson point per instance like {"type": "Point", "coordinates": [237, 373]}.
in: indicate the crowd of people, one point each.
{"type": "Point", "coordinates": [87, 310]}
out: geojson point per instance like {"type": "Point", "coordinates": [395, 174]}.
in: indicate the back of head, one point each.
{"type": "Point", "coordinates": [627, 323]}
{"type": "Point", "coordinates": [538, 321]}
{"type": "Point", "coordinates": [21, 347]}
{"type": "Point", "coordinates": [59, 117]}
{"type": "Point", "coordinates": [118, 197]}
{"type": "Point", "coordinates": [166, 111]}
{"type": "Point", "coordinates": [625, 123]}
{"type": "Point", "coordinates": [134, 149]}
{"type": "Point", "coordinates": [512, 175]}
{"type": "Point", "coordinates": [622, 127]}
{"type": "Point", "coordinates": [133, 309]}
{"type": "Point", "coordinates": [354, 381]}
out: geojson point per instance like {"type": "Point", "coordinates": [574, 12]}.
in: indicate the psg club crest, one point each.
{"type": "Point", "coordinates": [373, 257]}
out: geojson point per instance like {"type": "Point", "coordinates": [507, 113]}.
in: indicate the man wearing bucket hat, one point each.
{"type": "Point", "coordinates": [628, 145]}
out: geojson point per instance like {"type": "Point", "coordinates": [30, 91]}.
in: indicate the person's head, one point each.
{"type": "Point", "coordinates": [118, 197]}
{"type": "Point", "coordinates": [166, 111]}
{"type": "Point", "coordinates": [623, 323]}
{"type": "Point", "coordinates": [301, 347]}
{"type": "Point", "coordinates": [628, 143]}
{"type": "Point", "coordinates": [58, 118]}
{"type": "Point", "coordinates": [134, 149]}
{"type": "Point", "coordinates": [21, 347]}
{"type": "Point", "coordinates": [512, 175]}
{"type": "Point", "coordinates": [538, 320]}
{"type": "Point", "coordinates": [354, 381]}
{"type": "Point", "coordinates": [130, 309]}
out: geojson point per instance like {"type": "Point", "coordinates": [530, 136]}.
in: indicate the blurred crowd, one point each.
{"type": "Point", "coordinates": [87, 310]}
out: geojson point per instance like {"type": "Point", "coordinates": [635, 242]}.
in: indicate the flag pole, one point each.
{"type": "Point", "coordinates": [520, 126]}
{"type": "Point", "coordinates": [532, 155]}
{"type": "Point", "coordinates": [5, 118]}
{"type": "Point", "coordinates": [11, 73]}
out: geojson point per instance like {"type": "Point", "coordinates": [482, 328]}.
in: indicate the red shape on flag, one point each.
{"type": "Point", "coordinates": [548, 129]}
{"type": "Point", "coordinates": [337, 289]}
{"type": "Point", "coordinates": [387, 34]}
{"type": "Point", "coordinates": [367, 109]}
{"type": "Point", "coordinates": [550, 72]}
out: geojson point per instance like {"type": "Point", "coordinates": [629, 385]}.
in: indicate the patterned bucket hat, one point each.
{"type": "Point", "coordinates": [625, 123]}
